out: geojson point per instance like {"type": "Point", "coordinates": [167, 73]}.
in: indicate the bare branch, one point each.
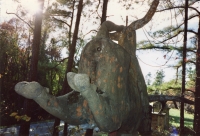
{"type": "Point", "coordinates": [178, 7]}
{"type": "Point", "coordinates": [89, 32]}
{"type": "Point", "coordinates": [177, 67]}
{"type": "Point", "coordinates": [189, 90]}
{"type": "Point", "coordinates": [177, 29]}
{"type": "Point", "coordinates": [61, 21]}
{"type": "Point", "coordinates": [59, 63]}
{"type": "Point", "coordinates": [189, 30]}
{"type": "Point", "coordinates": [182, 24]}
{"type": "Point", "coordinates": [21, 19]}
{"type": "Point", "coordinates": [180, 31]}
{"type": "Point", "coordinates": [190, 61]}
{"type": "Point", "coordinates": [171, 37]}
{"type": "Point", "coordinates": [163, 48]}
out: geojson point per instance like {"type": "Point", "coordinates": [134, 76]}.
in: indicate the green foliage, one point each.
{"type": "Point", "coordinates": [13, 68]}
{"type": "Point", "coordinates": [172, 87]}
{"type": "Point", "coordinates": [165, 32]}
{"type": "Point", "coordinates": [191, 77]}
{"type": "Point", "coordinates": [159, 78]}
{"type": "Point", "coordinates": [145, 45]}
{"type": "Point", "coordinates": [148, 79]}
{"type": "Point", "coordinates": [60, 12]}
{"type": "Point", "coordinates": [64, 2]}
{"type": "Point", "coordinates": [51, 75]}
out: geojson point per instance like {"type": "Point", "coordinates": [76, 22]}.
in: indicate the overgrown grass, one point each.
{"type": "Point", "coordinates": [175, 118]}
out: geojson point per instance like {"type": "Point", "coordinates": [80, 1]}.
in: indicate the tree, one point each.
{"type": "Point", "coordinates": [15, 60]}
{"type": "Point", "coordinates": [191, 74]}
{"type": "Point", "coordinates": [159, 78]}
{"type": "Point", "coordinates": [51, 64]}
{"type": "Point", "coordinates": [71, 45]}
{"type": "Point", "coordinates": [167, 43]}
{"type": "Point", "coordinates": [13, 63]}
{"type": "Point", "coordinates": [63, 17]}
{"type": "Point", "coordinates": [104, 11]}
{"type": "Point", "coordinates": [197, 94]}
{"type": "Point", "coordinates": [25, 126]}
{"type": "Point", "coordinates": [148, 78]}
{"type": "Point", "coordinates": [197, 88]}
{"type": "Point", "coordinates": [184, 68]}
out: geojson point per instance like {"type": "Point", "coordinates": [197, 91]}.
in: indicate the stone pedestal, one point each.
{"type": "Point", "coordinates": [158, 121]}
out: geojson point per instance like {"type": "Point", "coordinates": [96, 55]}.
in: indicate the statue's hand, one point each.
{"type": "Point", "coordinates": [29, 90]}
{"type": "Point", "coordinates": [79, 82]}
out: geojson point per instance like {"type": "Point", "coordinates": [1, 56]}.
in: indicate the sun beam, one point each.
{"type": "Point", "coordinates": [32, 6]}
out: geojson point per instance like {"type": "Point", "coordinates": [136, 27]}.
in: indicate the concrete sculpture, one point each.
{"type": "Point", "coordinates": [109, 88]}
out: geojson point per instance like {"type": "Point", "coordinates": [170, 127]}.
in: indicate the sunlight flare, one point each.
{"type": "Point", "coordinates": [33, 6]}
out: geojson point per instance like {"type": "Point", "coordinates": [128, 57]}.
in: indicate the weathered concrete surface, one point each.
{"type": "Point", "coordinates": [110, 90]}
{"type": "Point", "coordinates": [72, 107]}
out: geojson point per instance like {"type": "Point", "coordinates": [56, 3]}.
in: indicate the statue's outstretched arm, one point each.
{"type": "Point", "coordinates": [62, 107]}
{"type": "Point", "coordinates": [33, 90]}
{"type": "Point", "coordinates": [143, 21]}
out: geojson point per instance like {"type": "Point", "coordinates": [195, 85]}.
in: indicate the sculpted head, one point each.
{"type": "Point", "coordinates": [105, 62]}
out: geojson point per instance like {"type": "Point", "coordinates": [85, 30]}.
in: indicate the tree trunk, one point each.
{"type": "Point", "coordinates": [104, 11]}
{"type": "Point", "coordinates": [183, 69]}
{"type": "Point", "coordinates": [89, 132]}
{"type": "Point", "coordinates": [65, 87]}
{"type": "Point", "coordinates": [25, 126]}
{"type": "Point", "coordinates": [197, 88]}
{"type": "Point", "coordinates": [72, 47]}
{"type": "Point", "coordinates": [55, 127]}
{"type": "Point", "coordinates": [65, 131]}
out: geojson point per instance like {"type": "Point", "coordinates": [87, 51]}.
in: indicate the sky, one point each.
{"type": "Point", "coordinates": [6, 6]}
{"type": "Point", "coordinates": [10, 6]}
{"type": "Point", "coordinates": [150, 61]}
